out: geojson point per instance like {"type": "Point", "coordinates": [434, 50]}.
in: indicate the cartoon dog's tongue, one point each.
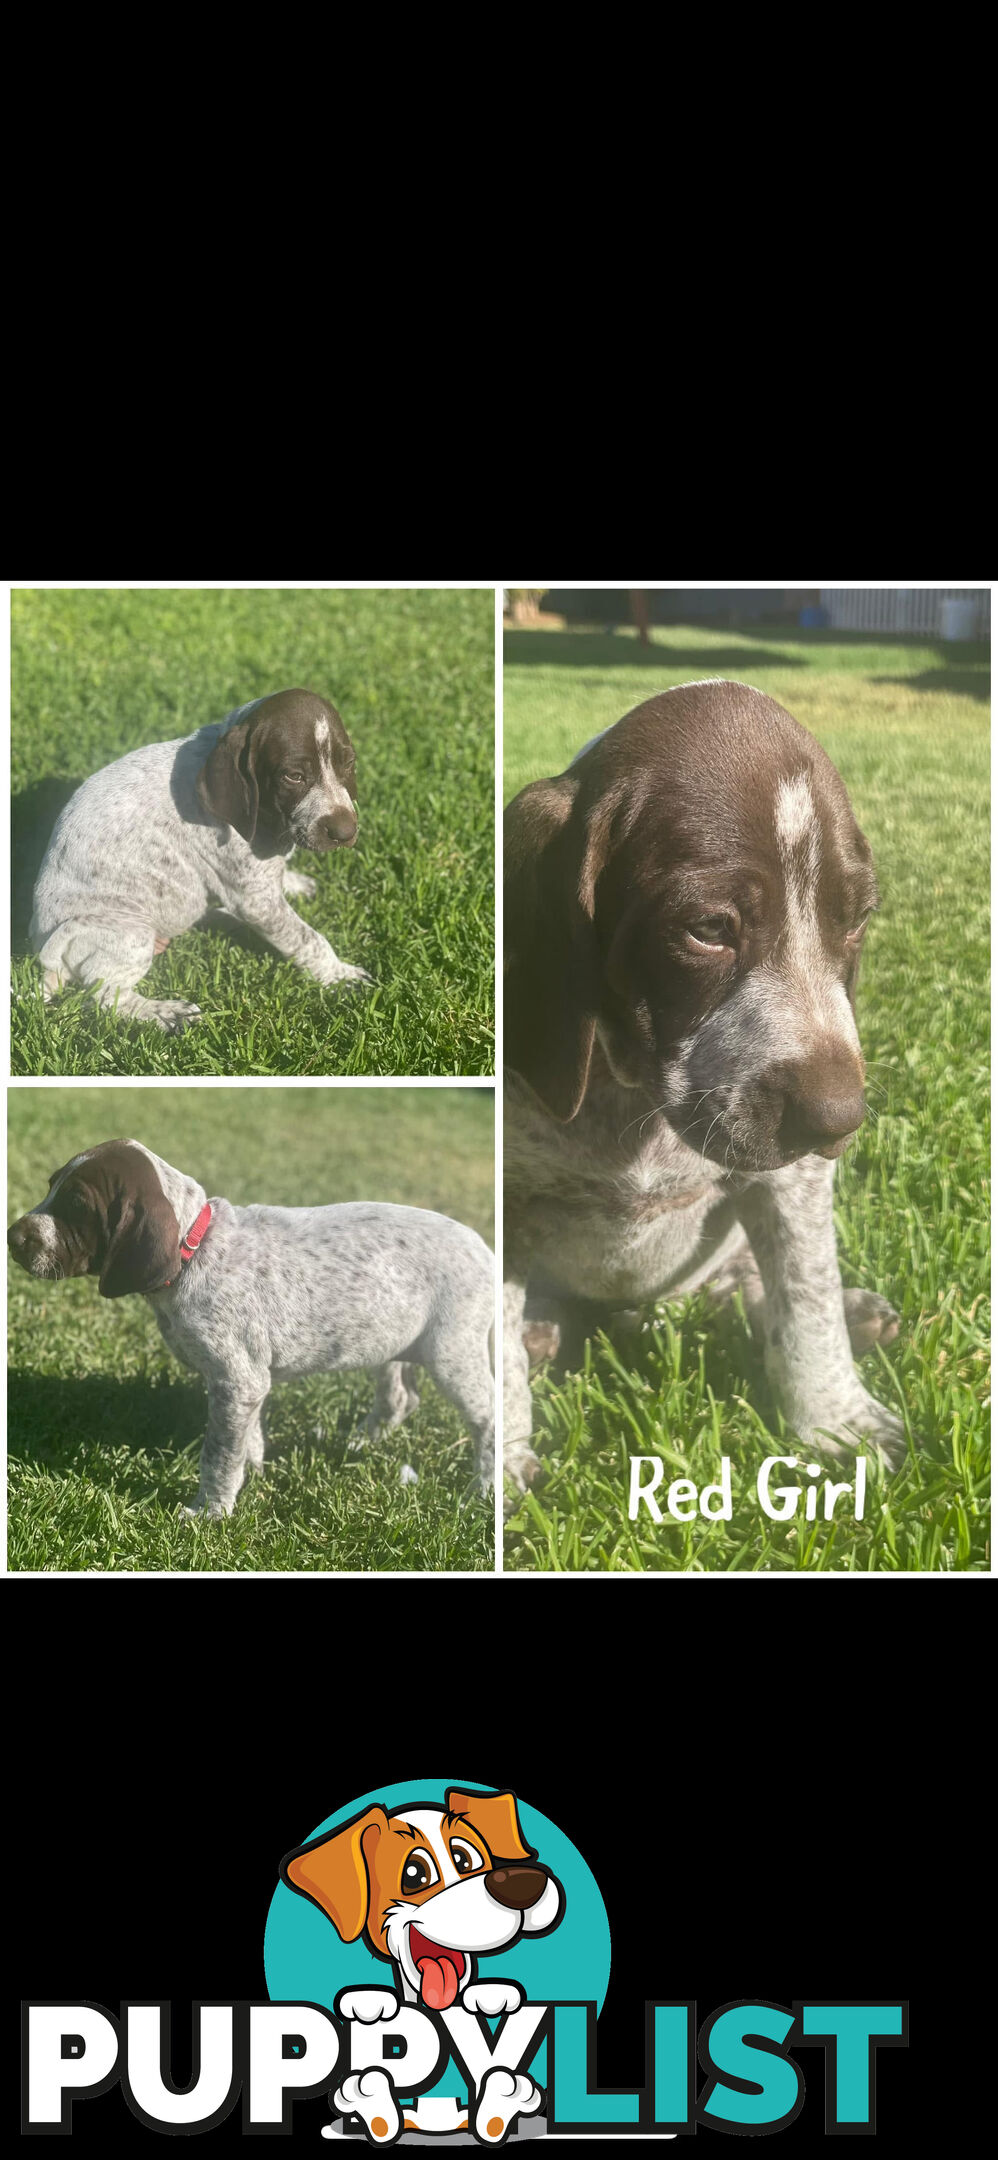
{"type": "Point", "coordinates": [439, 1970]}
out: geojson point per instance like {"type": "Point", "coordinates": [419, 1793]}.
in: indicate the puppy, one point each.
{"type": "Point", "coordinates": [247, 1296]}
{"type": "Point", "coordinates": [685, 913]}
{"type": "Point", "coordinates": [149, 844]}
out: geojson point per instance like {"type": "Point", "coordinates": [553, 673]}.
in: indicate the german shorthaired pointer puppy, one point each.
{"type": "Point", "coordinates": [685, 910]}
{"type": "Point", "coordinates": [247, 1296]}
{"type": "Point", "coordinates": [146, 846]}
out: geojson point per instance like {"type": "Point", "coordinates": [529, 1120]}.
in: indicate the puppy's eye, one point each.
{"type": "Point", "coordinates": [464, 1859]}
{"type": "Point", "coordinates": [293, 776]}
{"type": "Point", "coordinates": [712, 934]}
{"type": "Point", "coordinates": [418, 1872]}
{"type": "Point", "coordinates": [853, 936]}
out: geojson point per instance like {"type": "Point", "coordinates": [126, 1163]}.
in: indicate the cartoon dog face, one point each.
{"type": "Point", "coordinates": [430, 1888]}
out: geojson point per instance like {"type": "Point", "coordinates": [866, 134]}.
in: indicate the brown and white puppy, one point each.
{"type": "Point", "coordinates": [430, 1888]}
{"type": "Point", "coordinates": [250, 1296]}
{"type": "Point", "coordinates": [685, 910]}
{"type": "Point", "coordinates": [176, 831]}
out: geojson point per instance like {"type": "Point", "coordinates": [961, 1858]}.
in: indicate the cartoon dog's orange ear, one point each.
{"type": "Point", "coordinates": [334, 1871]}
{"type": "Point", "coordinates": [494, 1816]}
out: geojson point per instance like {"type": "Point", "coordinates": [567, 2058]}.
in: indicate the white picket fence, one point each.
{"type": "Point", "coordinates": [912, 608]}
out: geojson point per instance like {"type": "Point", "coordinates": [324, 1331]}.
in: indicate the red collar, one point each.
{"type": "Point", "coordinates": [190, 1242]}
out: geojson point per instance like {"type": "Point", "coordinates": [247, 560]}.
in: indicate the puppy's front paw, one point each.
{"type": "Point", "coordinates": [173, 1015]}
{"type": "Point", "coordinates": [866, 1419]}
{"type": "Point", "coordinates": [367, 2004]}
{"type": "Point", "coordinates": [493, 1997]}
{"type": "Point", "coordinates": [206, 1510]}
{"type": "Point", "coordinates": [295, 881]}
{"type": "Point", "coordinates": [333, 973]}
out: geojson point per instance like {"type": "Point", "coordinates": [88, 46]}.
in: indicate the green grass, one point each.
{"type": "Point", "coordinates": [906, 724]}
{"type": "Point", "coordinates": [98, 673]}
{"type": "Point", "coordinates": [104, 1427]}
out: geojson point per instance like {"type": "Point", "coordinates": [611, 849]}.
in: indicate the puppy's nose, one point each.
{"type": "Point", "coordinates": [17, 1236]}
{"type": "Point", "coordinates": [339, 829]}
{"type": "Point", "coordinates": [516, 1886]}
{"type": "Point", "coordinates": [823, 1106]}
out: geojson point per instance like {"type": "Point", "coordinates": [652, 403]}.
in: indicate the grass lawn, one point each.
{"type": "Point", "coordinates": [906, 724]}
{"type": "Point", "coordinates": [105, 1428]}
{"type": "Point", "coordinates": [98, 673]}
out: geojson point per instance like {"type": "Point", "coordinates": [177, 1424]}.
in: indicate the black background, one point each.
{"type": "Point", "coordinates": [758, 1779]}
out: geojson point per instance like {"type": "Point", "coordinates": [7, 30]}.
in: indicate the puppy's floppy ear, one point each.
{"type": "Point", "coordinates": [226, 784]}
{"type": "Point", "coordinates": [144, 1248]}
{"type": "Point", "coordinates": [333, 1871]}
{"type": "Point", "coordinates": [553, 855]}
{"type": "Point", "coordinates": [495, 1818]}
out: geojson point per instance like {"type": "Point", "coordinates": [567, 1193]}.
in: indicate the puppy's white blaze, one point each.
{"type": "Point", "coordinates": [327, 796]}
{"type": "Point", "coordinates": [322, 732]}
{"type": "Point", "coordinates": [795, 813]}
{"type": "Point", "coordinates": [426, 1822]}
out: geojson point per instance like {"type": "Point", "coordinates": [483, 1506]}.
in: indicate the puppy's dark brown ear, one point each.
{"type": "Point", "coordinates": [552, 971]}
{"type": "Point", "coordinates": [226, 784]}
{"type": "Point", "coordinates": [144, 1248]}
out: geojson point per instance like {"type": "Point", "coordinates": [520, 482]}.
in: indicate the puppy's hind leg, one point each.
{"type": "Point", "coordinates": [109, 959]}
{"type": "Point", "coordinates": [394, 1399]}
{"type": "Point", "coordinates": [255, 1441]}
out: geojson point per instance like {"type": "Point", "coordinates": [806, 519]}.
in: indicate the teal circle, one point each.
{"type": "Point", "coordinates": [305, 1961]}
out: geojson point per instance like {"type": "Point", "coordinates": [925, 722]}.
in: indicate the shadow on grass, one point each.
{"type": "Point", "coordinates": [599, 649]}
{"type": "Point", "coordinates": [68, 1425]}
{"type": "Point", "coordinates": [71, 1425]}
{"type": "Point", "coordinates": [966, 681]}
{"type": "Point", "coordinates": [32, 816]}
{"type": "Point", "coordinates": [732, 1364]}
{"type": "Point", "coordinates": [965, 668]}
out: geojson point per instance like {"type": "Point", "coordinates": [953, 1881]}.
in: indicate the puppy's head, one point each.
{"type": "Point", "coordinates": [430, 1888]}
{"type": "Point", "coordinates": [284, 775]}
{"type": "Point", "coordinates": [105, 1214]}
{"type": "Point", "coordinates": [694, 890]}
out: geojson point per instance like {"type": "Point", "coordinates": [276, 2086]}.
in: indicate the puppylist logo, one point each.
{"type": "Point", "coordinates": [435, 1967]}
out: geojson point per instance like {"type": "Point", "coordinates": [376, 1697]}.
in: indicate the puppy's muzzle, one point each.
{"type": "Point", "coordinates": [823, 1105]}
{"type": "Point", "coordinates": [337, 829]}
{"type": "Point", "coordinates": [516, 1887]}
{"type": "Point", "coordinates": [19, 1241]}
{"type": "Point", "coordinates": [25, 1246]}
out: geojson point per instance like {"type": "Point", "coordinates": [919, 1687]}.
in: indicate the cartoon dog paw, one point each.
{"type": "Point", "coordinates": [492, 1998]}
{"type": "Point", "coordinates": [367, 2093]}
{"type": "Point", "coordinates": [367, 2004]}
{"type": "Point", "coordinates": [504, 2097]}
